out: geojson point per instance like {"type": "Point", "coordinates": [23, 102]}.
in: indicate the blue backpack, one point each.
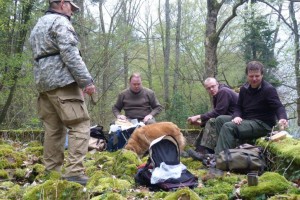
{"type": "Point", "coordinates": [165, 149]}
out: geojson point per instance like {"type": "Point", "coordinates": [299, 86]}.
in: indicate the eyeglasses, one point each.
{"type": "Point", "coordinates": [211, 87]}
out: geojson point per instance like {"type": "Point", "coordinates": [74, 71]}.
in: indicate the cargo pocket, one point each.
{"type": "Point", "coordinates": [72, 110]}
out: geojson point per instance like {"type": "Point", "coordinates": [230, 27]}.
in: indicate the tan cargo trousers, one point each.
{"type": "Point", "coordinates": [59, 109]}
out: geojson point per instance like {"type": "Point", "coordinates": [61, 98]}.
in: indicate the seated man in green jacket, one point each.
{"type": "Point", "coordinates": [137, 102]}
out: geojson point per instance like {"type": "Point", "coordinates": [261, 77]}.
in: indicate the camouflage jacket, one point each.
{"type": "Point", "coordinates": [57, 61]}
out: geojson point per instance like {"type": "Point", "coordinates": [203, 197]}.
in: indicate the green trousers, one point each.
{"type": "Point", "coordinates": [230, 133]}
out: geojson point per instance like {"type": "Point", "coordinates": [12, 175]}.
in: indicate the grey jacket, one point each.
{"type": "Point", "coordinates": [57, 61]}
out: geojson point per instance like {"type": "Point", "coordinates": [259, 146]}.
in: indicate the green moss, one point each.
{"type": "Point", "coordinates": [109, 196]}
{"type": "Point", "coordinates": [125, 163]}
{"type": "Point", "coordinates": [37, 151]}
{"type": "Point", "coordinates": [270, 183]}
{"type": "Point", "coordinates": [217, 187]}
{"type": "Point", "coordinates": [160, 195]}
{"type": "Point", "coordinates": [39, 168]}
{"type": "Point", "coordinates": [34, 143]}
{"type": "Point", "coordinates": [3, 174]}
{"type": "Point", "coordinates": [91, 170]}
{"type": "Point", "coordinates": [184, 193]}
{"type": "Point", "coordinates": [15, 192]}
{"type": "Point", "coordinates": [294, 190]}
{"type": "Point", "coordinates": [285, 197]}
{"type": "Point", "coordinates": [108, 184]}
{"type": "Point", "coordinates": [5, 147]}
{"type": "Point", "coordinates": [223, 179]}
{"type": "Point", "coordinates": [288, 148]}
{"type": "Point", "coordinates": [55, 189]}
{"type": "Point", "coordinates": [90, 163]}
{"type": "Point", "coordinates": [222, 188]}
{"type": "Point", "coordinates": [104, 161]}
{"type": "Point", "coordinates": [10, 158]}
{"type": "Point", "coordinates": [95, 178]}
{"type": "Point", "coordinates": [20, 174]}
{"type": "Point", "coordinates": [49, 175]}
{"type": "Point", "coordinates": [217, 197]}
{"type": "Point", "coordinates": [190, 163]}
{"type": "Point", "coordinates": [7, 184]}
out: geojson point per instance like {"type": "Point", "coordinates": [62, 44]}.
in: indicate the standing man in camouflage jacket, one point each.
{"type": "Point", "coordinates": [61, 77]}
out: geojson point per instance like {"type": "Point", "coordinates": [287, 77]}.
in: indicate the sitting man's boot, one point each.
{"type": "Point", "coordinates": [204, 150]}
{"type": "Point", "coordinates": [81, 179]}
{"type": "Point", "coordinates": [195, 155]}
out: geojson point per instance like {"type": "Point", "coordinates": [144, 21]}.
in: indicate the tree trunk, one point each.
{"type": "Point", "coordinates": [297, 55]}
{"type": "Point", "coordinates": [167, 57]}
{"type": "Point", "coordinates": [17, 38]}
{"type": "Point", "coordinates": [211, 39]}
{"type": "Point", "coordinates": [177, 48]}
{"type": "Point", "coordinates": [212, 34]}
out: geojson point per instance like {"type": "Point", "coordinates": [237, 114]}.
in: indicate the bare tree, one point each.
{"type": "Point", "coordinates": [297, 54]}
{"type": "Point", "coordinates": [15, 31]}
{"type": "Point", "coordinates": [166, 50]}
{"type": "Point", "coordinates": [145, 27]}
{"type": "Point", "coordinates": [177, 47]}
{"type": "Point", "coordinates": [212, 34]}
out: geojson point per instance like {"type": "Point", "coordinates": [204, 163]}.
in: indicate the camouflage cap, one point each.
{"type": "Point", "coordinates": [75, 7]}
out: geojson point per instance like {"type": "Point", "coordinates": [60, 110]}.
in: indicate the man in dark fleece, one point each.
{"type": "Point", "coordinates": [224, 101]}
{"type": "Point", "coordinates": [256, 112]}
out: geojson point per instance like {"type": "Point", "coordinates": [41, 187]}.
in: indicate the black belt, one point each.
{"type": "Point", "coordinates": [47, 55]}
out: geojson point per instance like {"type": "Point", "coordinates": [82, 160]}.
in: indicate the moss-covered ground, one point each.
{"type": "Point", "coordinates": [22, 176]}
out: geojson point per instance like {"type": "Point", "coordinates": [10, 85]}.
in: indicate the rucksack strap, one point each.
{"type": "Point", "coordinates": [228, 158]}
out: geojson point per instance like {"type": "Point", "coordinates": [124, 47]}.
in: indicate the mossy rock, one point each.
{"type": "Point", "coordinates": [10, 159]}
{"type": "Point", "coordinates": [37, 151]}
{"type": "Point", "coordinates": [107, 184]}
{"type": "Point", "coordinates": [125, 163]}
{"type": "Point", "coordinates": [284, 156]}
{"type": "Point", "coordinates": [94, 179]}
{"type": "Point", "coordinates": [15, 192]}
{"type": "Point", "coordinates": [3, 174]}
{"type": "Point", "coordinates": [104, 160]}
{"type": "Point", "coordinates": [287, 148]}
{"type": "Point", "coordinates": [269, 184]}
{"type": "Point", "coordinates": [218, 187]}
{"type": "Point", "coordinates": [19, 174]}
{"type": "Point", "coordinates": [184, 193]}
{"type": "Point", "coordinates": [91, 170]}
{"type": "Point", "coordinates": [56, 189]}
{"type": "Point", "coordinates": [109, 196]}
{"type": "Point", "coordinates": [285, 197]}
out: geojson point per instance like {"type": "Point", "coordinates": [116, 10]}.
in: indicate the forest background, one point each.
{"type": "Point", "coordinates": [174, 44]}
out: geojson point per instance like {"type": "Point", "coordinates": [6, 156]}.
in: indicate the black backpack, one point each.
{"type": "Point", "coordinates": [118, 139]}
{"type": "Point", "coordinates": [97, 132]}
{"type": "Point", "coordinates": [164, 149]}
{"type": "Point", "coordinates": [97, 139]}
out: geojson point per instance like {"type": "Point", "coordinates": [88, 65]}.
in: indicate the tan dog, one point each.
{"type": "Point", "coordinates": [141, 138]}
